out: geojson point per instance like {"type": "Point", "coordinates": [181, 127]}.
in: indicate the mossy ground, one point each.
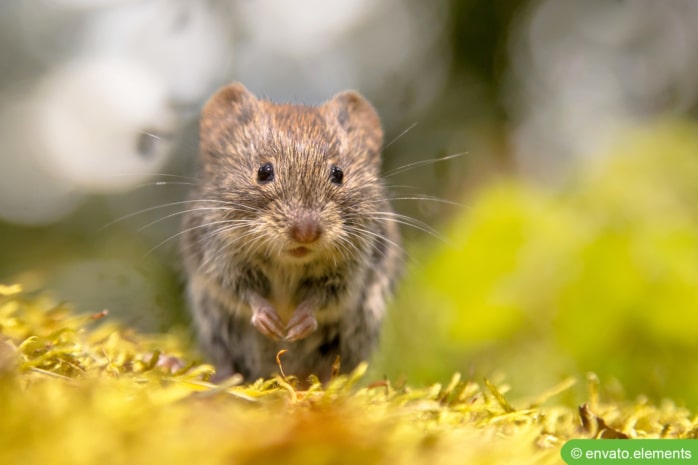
{"type": "Point", "coordinates": [80, 389]}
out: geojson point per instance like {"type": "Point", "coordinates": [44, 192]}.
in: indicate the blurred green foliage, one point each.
{"type": "Point", "coordinates": [601, 276]}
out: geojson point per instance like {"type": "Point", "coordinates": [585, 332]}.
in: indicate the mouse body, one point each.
{"type": "Point", "coordinates": [289, 241]}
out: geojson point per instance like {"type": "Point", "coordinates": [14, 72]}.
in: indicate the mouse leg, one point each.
{"type": "Point", "coordinates": [265, 318]}
{"type": "Point", "coordinates": [302, 323]}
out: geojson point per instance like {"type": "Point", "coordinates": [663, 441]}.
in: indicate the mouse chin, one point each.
{"type": "Point", "coordinates": [299, 252]}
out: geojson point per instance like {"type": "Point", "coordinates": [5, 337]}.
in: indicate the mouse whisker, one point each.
{"type": "Point", "coordinates": [229, 226]}
{"type": "Point", "coordinates": [346, 248]}
{"type": "Point", "coordinates": [417, 164]}
{"type": "Point", "coordinates": [165, 205]}
{"type": "Point", "coordinates": [396, 138]}
{"type": "Point", "coordinates": [221, 245]}
{"type": "Point", "coordinates": [233, 226]}
{"type": "Point", "coordinates": [250, 230]}
{"type": "Point", "coordinates": [237, 205]}
{"type": "Point", "coordinates": [164, 175]}
{"type": "Point", "coordinates": [171, 215]}
{"type": "Point", "coordinates": [164, 183]}
{"type": "Point", "coordinates": [408, 221]}
{"type": "Point", "coordinates": [384, 253]}
{"type": "Point", "coordinates": [168, 137]}
{"type": "Point", "coordinates": [367, 233]}
{"type": "Point", "coordinates": [429, 198]}
{"type": "Point", "coordinates": [184, 231]}
{"type": "Point", "coordinates": [260, 242]}
{"type": "Point", "coordinates": [405, 220]}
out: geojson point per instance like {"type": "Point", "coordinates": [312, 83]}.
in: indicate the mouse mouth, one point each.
{"type": "Point", "coordinates": [299, 252]}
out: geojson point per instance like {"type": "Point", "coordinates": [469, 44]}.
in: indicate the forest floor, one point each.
{"type": "Point", "coordinates": [81, 389]}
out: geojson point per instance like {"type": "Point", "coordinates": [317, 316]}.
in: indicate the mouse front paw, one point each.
{"type": "Point", "coordinates": [268, 322]}
{"type": "Point", "coordinates": [301, 325]}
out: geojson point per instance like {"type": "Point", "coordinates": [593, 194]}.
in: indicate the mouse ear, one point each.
{"type": "Point", "coordinates": [231, 106]}
{"type": "Point", "coordinates": [358, 120]}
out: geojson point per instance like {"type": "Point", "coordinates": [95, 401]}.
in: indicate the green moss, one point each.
{"type": "Point", "coordinates": [79, 389]}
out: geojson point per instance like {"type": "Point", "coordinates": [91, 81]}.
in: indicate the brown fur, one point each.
{"type": "Point", "coordinates": [237, 236]}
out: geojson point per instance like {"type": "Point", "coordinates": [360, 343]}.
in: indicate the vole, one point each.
{"type": "Point", "coordinates": [290, 242]}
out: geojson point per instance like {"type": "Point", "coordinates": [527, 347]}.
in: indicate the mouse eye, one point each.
{"type": "Point", "coordinates": [265, 173]}
{"type": "Point", "coordinates": [336, 174]}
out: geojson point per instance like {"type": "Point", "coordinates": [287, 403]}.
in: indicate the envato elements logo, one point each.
{"type": "Point", "coordinates": [618, 451]}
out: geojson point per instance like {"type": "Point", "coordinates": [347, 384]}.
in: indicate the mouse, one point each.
{"type": "Point", "coordinates": [289, 241]}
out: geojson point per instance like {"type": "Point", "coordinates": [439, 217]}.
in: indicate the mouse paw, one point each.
{"type": "Point", "coordinates": [301, 325]}
{"type": "Point", "coordinates": [268, 322]}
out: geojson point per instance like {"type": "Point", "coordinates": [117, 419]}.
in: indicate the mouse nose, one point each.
{"type": "Point", "coordinates": [306, 228]}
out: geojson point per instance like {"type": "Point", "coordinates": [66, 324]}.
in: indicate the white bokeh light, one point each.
{"type": "Point", "coordinates": [29, 193]}
{"type": "Point", "coordinates": [184, 42]}
{"type": "Point", "coordinates": [95, 122]}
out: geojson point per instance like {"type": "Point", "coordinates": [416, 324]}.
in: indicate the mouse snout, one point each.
{"type": "Point", "coordinates": [306, 228]}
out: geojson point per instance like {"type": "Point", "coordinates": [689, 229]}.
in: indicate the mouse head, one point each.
{"type": "Point", "coordinates": [302, 181]}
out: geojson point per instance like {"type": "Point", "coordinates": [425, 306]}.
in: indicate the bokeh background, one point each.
{"type": "Point", "coordinates": [564, 207]}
